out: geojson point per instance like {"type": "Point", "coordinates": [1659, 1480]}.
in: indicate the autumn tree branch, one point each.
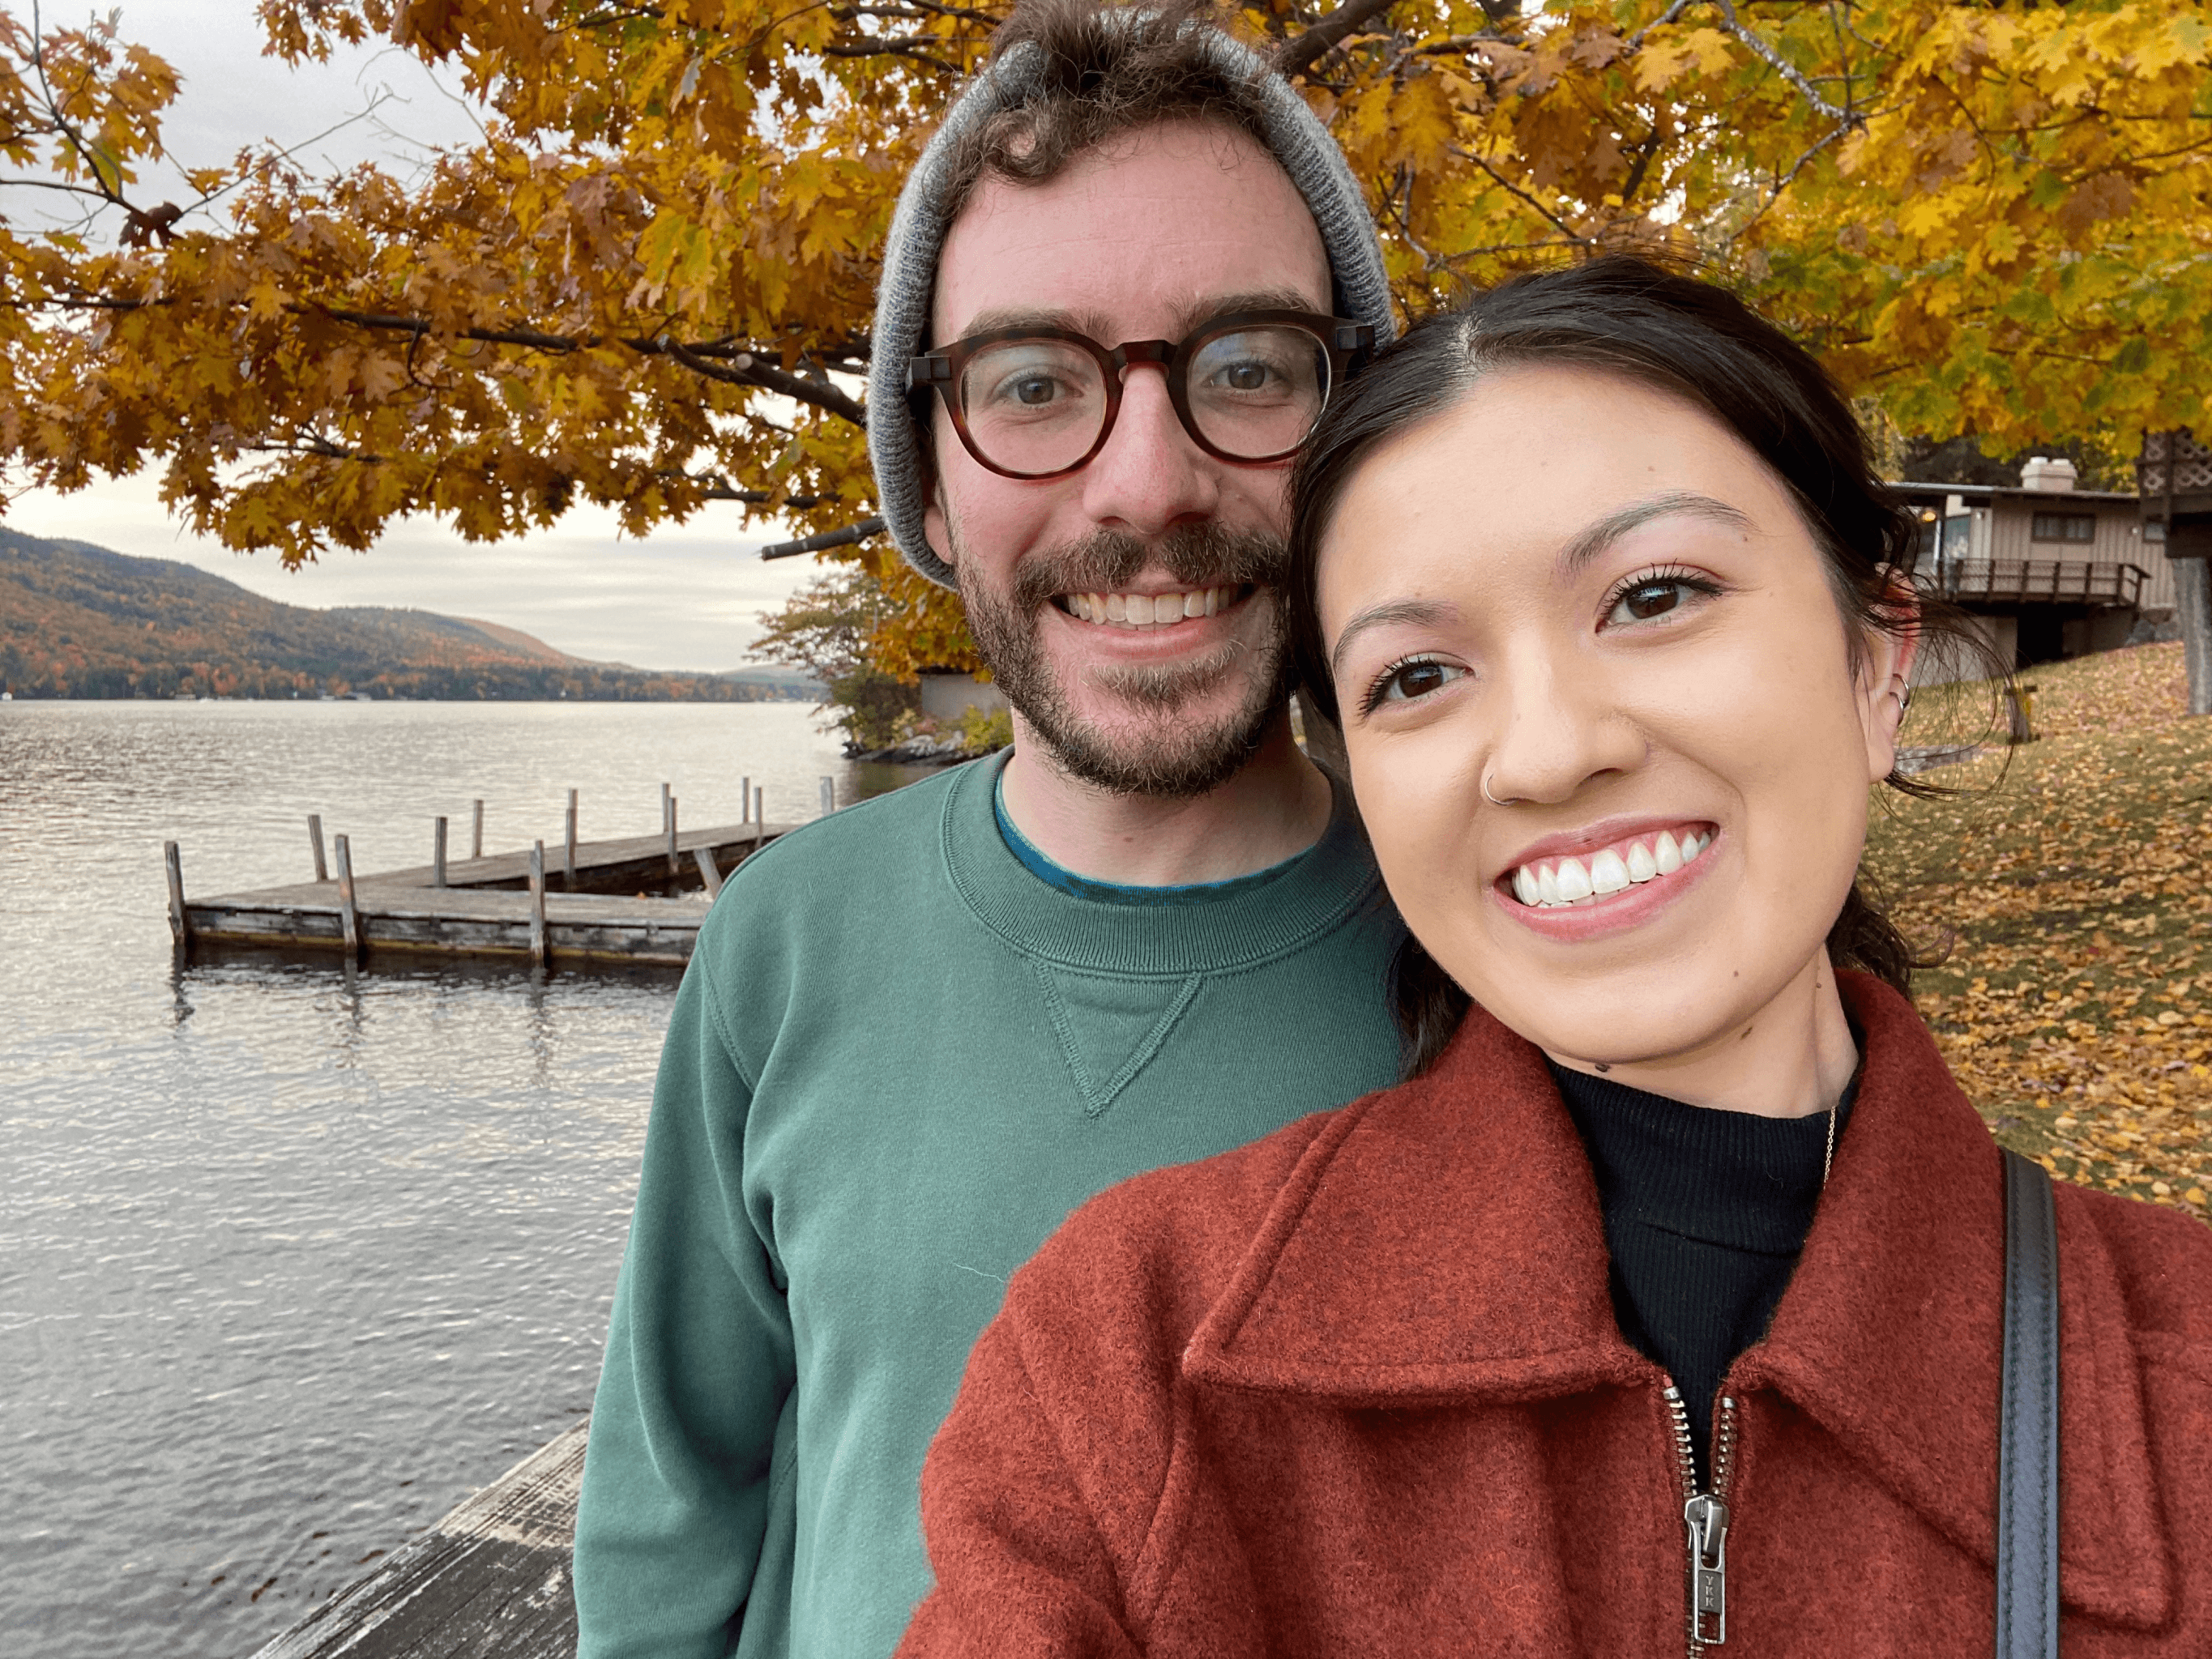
{"type": "Point", "coordinates": [738, 368]}
{"type": "Point", "coordinates": [1790, 178]}
{"type": "Point", "coordinates": [916, 11]}
{"type": "Point", "coordinates": [850, 535]}
{"type": "Point", "coordinates": [745, 369]}
{"type": "Point", "coordinates": [1302, 51]}
{"type": "Point", "coordinates": [1557, 223]}
{"type": "Point", "coordinates": [1781, 66]}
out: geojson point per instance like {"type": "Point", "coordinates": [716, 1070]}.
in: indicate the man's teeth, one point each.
{"type": "Point", "coordinates": [1550, 882]}
{"type": "Point", "coordinates": [1148, 610]}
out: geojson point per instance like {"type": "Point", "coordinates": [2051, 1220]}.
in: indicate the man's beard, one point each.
{"type": "Point", "coordinates": [1171, 758]}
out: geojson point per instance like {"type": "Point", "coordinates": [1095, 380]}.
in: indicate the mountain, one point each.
{"type": "Point", "coordinates": [79, 621]}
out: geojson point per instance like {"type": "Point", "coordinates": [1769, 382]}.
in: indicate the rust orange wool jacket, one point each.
{"type": "Point", "coordinates": [1356, 1388]}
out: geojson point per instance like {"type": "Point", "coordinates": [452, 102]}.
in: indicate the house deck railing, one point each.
{"type": "Point", "coordinates": [2081, 581]}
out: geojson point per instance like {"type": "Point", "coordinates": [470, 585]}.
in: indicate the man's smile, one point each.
{"type": "Point", "coordinates": [1152, 610]}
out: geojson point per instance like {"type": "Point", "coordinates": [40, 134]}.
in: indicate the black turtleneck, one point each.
{"type": "Point", "coordinates": [1705, 1212]}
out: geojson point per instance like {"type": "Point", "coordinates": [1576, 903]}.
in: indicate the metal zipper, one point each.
{"type": "Point", "coordinates": [1706, 1522]}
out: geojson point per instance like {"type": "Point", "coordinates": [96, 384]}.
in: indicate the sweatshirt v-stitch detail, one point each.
{"type": "Point", "coordinates": [1096, 1094]}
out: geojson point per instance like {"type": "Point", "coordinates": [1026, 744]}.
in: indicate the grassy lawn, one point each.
{"type": "Point", "coordinates": [2075, 1004]}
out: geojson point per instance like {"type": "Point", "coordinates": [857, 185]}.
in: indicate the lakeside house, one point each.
{"type": "Point", "coordinates": [2048, 571]}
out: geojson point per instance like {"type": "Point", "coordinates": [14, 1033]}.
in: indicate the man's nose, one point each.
{"type": "Point", "coordinates": [1150, 477]}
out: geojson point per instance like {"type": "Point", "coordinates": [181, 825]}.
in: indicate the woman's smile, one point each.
{"type": "Point", "coordinates": [1610, 881]}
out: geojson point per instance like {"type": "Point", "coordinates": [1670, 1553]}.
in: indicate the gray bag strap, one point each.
{"type": "Point", "coordinates": [2028, 1420]}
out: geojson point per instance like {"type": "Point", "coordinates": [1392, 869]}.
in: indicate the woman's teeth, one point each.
{"type": "Point", "coordinates": [1549, 883]}
{"type": "Point", "coordinates": [1148, 609]}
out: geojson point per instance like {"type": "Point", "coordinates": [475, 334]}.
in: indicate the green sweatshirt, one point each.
{"type": "Point", "coordinates": [898, 1060]}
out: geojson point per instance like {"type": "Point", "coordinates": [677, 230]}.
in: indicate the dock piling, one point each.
{"type": "Point", "coordinates": [476, 834]}
{"type": "Point", "coordinates": [180, 927]}
{"type": "Point", "coordinates": [438, 853]}
{"type": "Point", "coordinates": [315, 836]}
{"type": "Point", "coordinates": [675, 864]}
{"type": "Point", "coordinates": [704, 856]}
{"type": "Point", "coordinates": [538, 951]}
{"type": "Point", "coordinates": [348, 915]}
{"type": "Point", "coordinates": [568, 854]}
{"type": "Point", "coordinates": [828, 796]}
{"type": "Point", "coordinates": [665, 799]}
{"type": "Point", "coordinates": [745, 800]}
{"type": "Point", "coordinates": [760, 819]}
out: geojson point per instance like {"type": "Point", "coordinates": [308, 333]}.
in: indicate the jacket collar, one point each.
{"type": "Point", "coordinates": [1469, 1193]}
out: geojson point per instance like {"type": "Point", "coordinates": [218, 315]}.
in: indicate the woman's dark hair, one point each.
{"type": "Point", "coordinates": [1624, 316]}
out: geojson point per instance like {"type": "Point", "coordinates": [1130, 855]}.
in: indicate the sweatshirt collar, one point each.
{"type": "Point", "coordinates": [1330, 882]}
{"type": "Point", "coordinates": [1469, 1193]}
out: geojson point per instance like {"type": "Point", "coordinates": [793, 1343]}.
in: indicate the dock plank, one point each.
{"type": "Point", "coordinates": [490, 1581]}
{"type": "Point", "coordinates": [647, 854]}
{"type": "Point", "coordinates": [485, 908]}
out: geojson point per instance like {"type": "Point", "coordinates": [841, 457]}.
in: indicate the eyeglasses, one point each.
{"type": "Point", "coordinates": [1035, 403]}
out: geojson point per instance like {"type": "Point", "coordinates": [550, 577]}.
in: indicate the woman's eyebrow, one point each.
{"type": "Point", "coordinates": [1596, 537]}
{"type": "Point", "coordinates": [1420, 612]}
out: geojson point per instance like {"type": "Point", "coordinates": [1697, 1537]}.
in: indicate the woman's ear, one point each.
{"type": "Point", "coordinates": [1887, 692]}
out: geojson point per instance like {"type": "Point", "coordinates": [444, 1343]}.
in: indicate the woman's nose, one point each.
{"type": "Point", "coordinates": [1557, 733]}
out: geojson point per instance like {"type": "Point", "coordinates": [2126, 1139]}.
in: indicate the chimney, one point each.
{"type": "Point", "coordinates": [2043, 473]}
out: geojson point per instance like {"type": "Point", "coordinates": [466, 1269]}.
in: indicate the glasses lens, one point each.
{"type": "Point", "coordinates": [1033, 405]}
{"type": "Point", "coordinates": [1255, 394]}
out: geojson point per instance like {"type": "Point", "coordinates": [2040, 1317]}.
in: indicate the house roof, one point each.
{"type": "Point", "coordinates": [1990, 494]}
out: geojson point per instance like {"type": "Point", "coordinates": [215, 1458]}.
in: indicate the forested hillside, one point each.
{"type": "Point", "coordinates": [79, 621]}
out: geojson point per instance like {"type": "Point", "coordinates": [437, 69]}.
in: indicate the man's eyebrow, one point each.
{"type": "Point", "coordinates": [999, 317]}
{"type": "Point", "coordinates": [1595, 539]}
{"type": "Point", "coordinates": [1424, 613]}
{"type": "Point", "coordinates": [1188, 316]}
{"type": "Point", "coordinates": [1197, 312]}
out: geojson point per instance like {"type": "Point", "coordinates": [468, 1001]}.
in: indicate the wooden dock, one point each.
{"type": "Point", "coordinates": [490, 1581]}
{"type": "Point", "coordinates": [637, 899]}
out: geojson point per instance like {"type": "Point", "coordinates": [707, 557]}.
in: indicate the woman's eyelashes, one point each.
{"type": "Point", "coordinates": [1651, 595]}
{"type": "Point", "coordinates": [1407, 679]}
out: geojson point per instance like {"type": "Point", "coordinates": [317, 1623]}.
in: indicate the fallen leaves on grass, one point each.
{"type": "Point", "coordinates": [2076, 1003]}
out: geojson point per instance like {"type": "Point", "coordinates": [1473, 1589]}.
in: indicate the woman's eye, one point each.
{"type": "Point", "coordinates": [1416, 679]}
{"type": "Point", "coordinates": [1647, 600]}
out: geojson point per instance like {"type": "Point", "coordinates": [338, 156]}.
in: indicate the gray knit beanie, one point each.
{"type": "Point", "coordinates": [1291, 132]}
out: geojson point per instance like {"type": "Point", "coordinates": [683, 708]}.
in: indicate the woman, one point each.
{"type": "Point", "coordinates": [1682, 1250]}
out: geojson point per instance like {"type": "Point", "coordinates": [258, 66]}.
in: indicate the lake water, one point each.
{"type": "Point", "coordinates": [292, 1258]}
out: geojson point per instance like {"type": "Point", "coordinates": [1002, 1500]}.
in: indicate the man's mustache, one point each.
{"type": "Point", "coordinates": [1107, 561]}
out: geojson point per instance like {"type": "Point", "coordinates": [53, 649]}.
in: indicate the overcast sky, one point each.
{"type": "Point", "coordinates": [687, 597]}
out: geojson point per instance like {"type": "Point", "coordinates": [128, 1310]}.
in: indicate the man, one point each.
{"type": "Point", "coordinates": [918, 1034]}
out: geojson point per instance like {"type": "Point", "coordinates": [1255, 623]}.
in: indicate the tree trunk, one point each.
{"type": "Point", "coordinates": [2192, 601]}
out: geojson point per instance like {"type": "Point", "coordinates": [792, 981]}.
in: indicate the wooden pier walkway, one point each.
{"type": "Point", "coordinates": [637, 899]}
{"type": "Point", "coordinates": [490, 1581]}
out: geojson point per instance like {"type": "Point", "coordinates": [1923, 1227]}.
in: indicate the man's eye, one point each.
{"type": "Point", "coordinates": [1246, 376]}
{"type": "Point", "coordinates": [1030, 391]}
{"type": "Point", "coordinates": [1415, 679]}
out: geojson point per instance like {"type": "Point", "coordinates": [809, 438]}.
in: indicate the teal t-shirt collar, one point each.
{"type": "Point", "coordinates": [1108, 892]}
{"type": "Point", "coordinates": [1252, 922]}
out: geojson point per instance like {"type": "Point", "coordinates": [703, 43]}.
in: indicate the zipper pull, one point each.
{"type": "Point", "coordinates": [1707, 1518]}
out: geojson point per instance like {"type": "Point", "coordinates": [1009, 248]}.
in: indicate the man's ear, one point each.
{"type": "Point", "coordinates": [934, 526]}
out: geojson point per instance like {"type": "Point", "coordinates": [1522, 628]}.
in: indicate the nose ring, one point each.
{"type": "Point", "coordinates": [1493, 799]}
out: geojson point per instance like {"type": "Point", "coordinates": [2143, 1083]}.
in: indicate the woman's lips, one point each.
{"type": "Point", "coordinates": [1590, 878]}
